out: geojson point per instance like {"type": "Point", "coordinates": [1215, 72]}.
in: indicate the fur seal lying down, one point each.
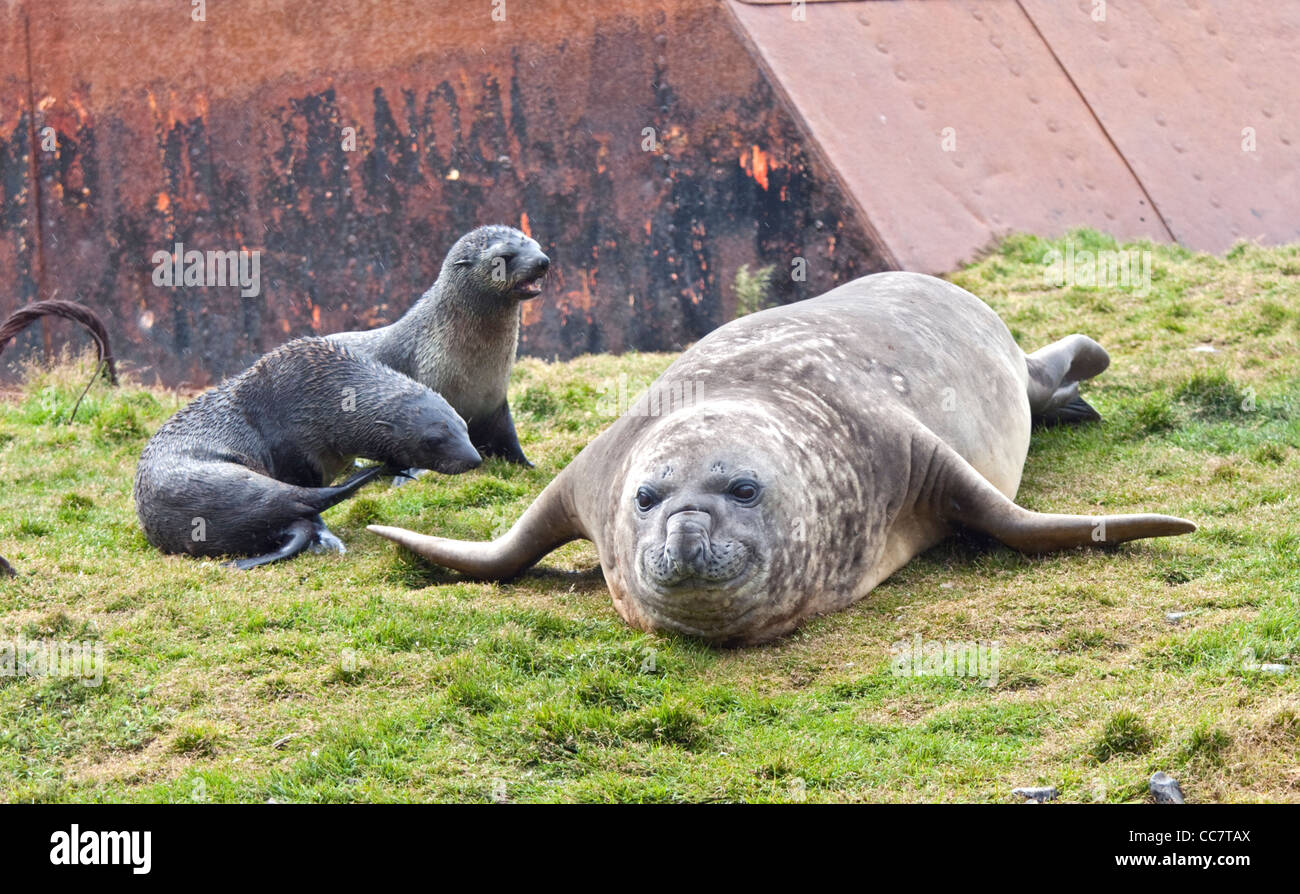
{"type": "Point", "coordinates": [460, 338]}
{"type": "Point", "coordinates": [830, 442]}
{"type": "Point", "coordinates": [242, 470]}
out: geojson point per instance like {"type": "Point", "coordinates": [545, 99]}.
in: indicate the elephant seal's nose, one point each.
{"type": "Point", "coordinates": [687, 540]}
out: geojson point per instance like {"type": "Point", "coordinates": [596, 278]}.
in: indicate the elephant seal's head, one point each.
{"type": "Point", "coordinates": [709, 526]}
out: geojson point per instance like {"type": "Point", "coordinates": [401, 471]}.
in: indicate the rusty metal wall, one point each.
{"type": "Point", "coordinates": [229, 134]}
{"type": "Point", "coordinates": [818, 131]}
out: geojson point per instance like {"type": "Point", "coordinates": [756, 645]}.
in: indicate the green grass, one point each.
{"type": "Point", "coordinates": [374, 677]}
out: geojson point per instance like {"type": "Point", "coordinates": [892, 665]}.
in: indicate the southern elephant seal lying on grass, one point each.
{"type": "Point", "coordinates": [243, 469]}
{"type": "Point", "coordinates": [836, 438]}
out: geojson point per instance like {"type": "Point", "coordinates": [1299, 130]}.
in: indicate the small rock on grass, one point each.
{"type": "Point", "coordinates": [1175, 617]}
{"type": "Point", "coordinates": [1036, 795]}
{"type": "Point", "coordinates": [1165, 789]}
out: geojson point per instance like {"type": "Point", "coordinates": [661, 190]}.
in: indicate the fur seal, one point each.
{"type": "Point", "coordinates": [828, 443]}
{"type": "Point", "coordinates": [242, 470]}
{"type": "Point", "coordinates": [460, 338]}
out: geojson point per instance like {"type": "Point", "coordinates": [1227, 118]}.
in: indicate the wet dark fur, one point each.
{"type": "Point", "coordinates": [251, 458]}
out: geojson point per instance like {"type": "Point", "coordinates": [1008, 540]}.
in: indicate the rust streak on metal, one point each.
{"type": "Point", "coordinates": [35, 189]}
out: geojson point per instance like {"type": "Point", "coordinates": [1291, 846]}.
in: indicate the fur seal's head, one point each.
{"type": "Point", "coordinates": [711, 526]}
{"type": "Point", "coordinates": [500, 262]}
{"type": "Point", "coordinates": [422, 431]}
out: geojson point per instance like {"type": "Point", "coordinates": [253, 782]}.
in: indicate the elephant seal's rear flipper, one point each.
{"type": "Point", "coordinates": [1054, 376]}
{"type": "Point", "coordinates": [966, 497]}
{"type": "Point", "coordinates": [548, 523]}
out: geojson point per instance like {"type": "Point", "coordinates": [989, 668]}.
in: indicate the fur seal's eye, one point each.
{"type": "Point", "coordinates": [744, 491]}
{"type": "Point", "coordinates": [646, 499]}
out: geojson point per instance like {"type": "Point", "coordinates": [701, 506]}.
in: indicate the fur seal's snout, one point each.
{"type": "Point", "coordinates": [528, 269]}
{"type": "Point", "coordinates": [467, 458]}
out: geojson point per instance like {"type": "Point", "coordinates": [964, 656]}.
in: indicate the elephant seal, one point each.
{"type": "Point", "coordinates": [460, 338]}
{"type": "Point", "coordinates": [825, 444]}
{"type": "Point", "coordinates": [242, 470]}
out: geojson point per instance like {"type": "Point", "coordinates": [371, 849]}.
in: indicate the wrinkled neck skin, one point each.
{"type": "Point", "coordinates": [707, 561]}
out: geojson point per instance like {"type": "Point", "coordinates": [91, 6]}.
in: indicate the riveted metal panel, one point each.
{"type": "Point", "coordinates": [950, 122]}
{"type": "Point", "coordinates": [1202, 98]}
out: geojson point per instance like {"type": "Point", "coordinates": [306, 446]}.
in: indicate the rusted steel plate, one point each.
{"type": "Point", "coordinates": [1177, 86]}
{"type": "Point", "coordinates": [878, 84]}
{"type": "Point", "coordinates": [229, 135]}
{"type": "Point", "coordinates": [18, 256]}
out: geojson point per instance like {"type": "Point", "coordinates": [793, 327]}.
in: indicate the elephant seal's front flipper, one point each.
{"type": "Point", "coordinates": [964, 496]}
{"type": "Point", "coordinates": [550, 522]}
{"type": "Point", "coordinates": [1054, 376]}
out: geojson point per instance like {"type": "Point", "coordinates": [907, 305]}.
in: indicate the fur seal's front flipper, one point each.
{"type": "Point", "coordinates": [496, 436]}
{"type": "Point", "coordinates": [323, 498]}
{"type": "Point", "coordinates": [966, 497]}
{"type": "Point", "coordinates": [1054, 376]}
{"type": "Point", "coordinates": [550, 522]}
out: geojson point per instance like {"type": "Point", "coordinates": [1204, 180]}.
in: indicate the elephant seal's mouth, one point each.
{"type": "Point", "coordinates": [694, 562]}
{"type": "Point", "coordinates": [715, 608]}
{"type": "Point", "coordinates": [697, 585]}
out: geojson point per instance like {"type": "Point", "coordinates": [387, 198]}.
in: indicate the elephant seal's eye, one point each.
{"type": "Point", "coordinates": [646, 498]}
{"type": "Point", "coordinates": [744, 491]}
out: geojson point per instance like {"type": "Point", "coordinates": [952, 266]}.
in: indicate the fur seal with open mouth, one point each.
{"type": "Point", "coordinates": [461, 337]}
{"type": "Point", "coordinates": [827, 443]}
{"type": "Point", "coordinates": [243, 469]}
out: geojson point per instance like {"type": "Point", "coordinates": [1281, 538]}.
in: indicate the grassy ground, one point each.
{"type": "Point", "coordinates": [369, 677]}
